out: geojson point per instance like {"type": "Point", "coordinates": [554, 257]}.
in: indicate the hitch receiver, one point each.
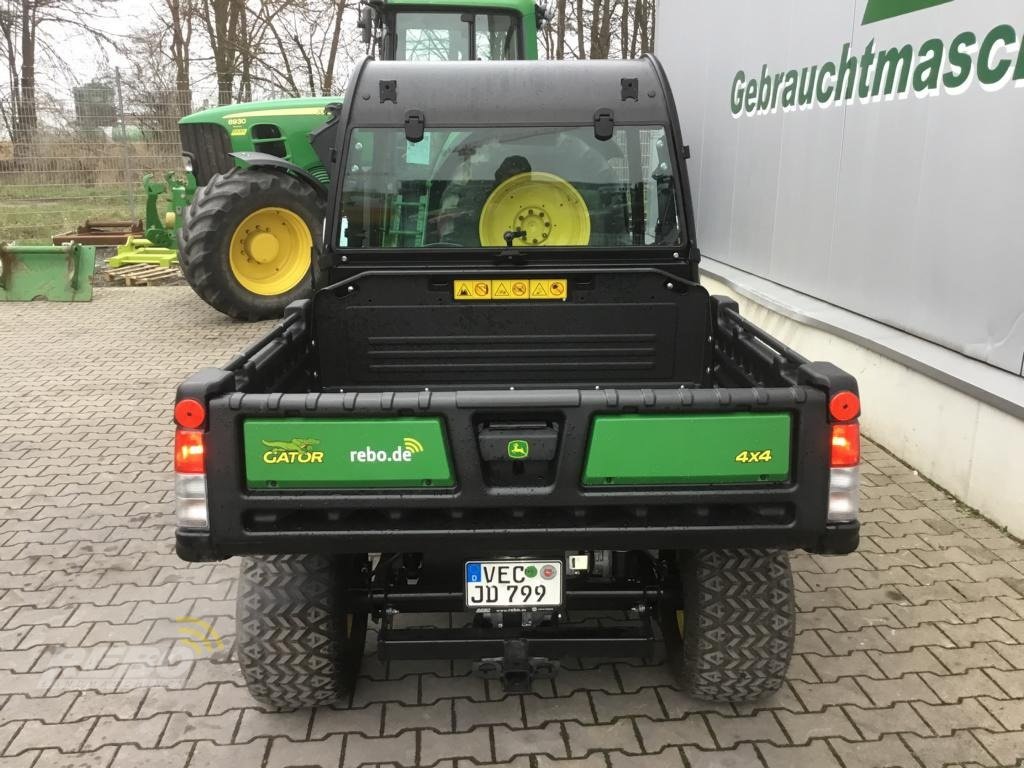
{"type": "Point", "coordinates": [517, 670]}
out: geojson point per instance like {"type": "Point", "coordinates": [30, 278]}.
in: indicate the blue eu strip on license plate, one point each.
{"type": "Point", "coordinates": [509, 584]}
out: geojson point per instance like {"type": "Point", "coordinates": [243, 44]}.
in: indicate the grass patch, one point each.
{"type": "Point", "coordinates": [59, 182]}
{"type": "Point", "coordinates": [34, 213]}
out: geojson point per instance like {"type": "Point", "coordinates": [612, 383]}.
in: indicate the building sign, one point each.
{"type": "Point", "coordinates": [991, 60]}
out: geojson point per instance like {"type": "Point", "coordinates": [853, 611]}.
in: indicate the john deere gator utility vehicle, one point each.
{"type": "Point", "coordinates": [510, 398]}
{"type": "Point", "coordinates": [247, 241]}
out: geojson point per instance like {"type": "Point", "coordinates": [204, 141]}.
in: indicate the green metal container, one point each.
{"type": "Point", "coordinates": [49, 272]}
{"type": "Point", "coordinates": [735, 448]}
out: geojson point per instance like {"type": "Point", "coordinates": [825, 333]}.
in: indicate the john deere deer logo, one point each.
{"type": "Point", "coordinates": [518, 449]}
{"type": "Point", "coordinates": [295, 451]}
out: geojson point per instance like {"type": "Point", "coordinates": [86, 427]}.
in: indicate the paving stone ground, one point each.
{"type": "Point", "coordinates": [909, 652]}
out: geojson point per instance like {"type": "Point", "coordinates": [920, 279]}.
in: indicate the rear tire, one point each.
{"type": "Point", "coordinates": [209, 223]}
{"type": "Point", "coordinates": [732, 638]}
{"type": "Point", "coordinates": [297, 646]}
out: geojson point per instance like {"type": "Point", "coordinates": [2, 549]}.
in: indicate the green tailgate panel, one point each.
{"type": "Point", "coordinates": [689, 450]}
{"type": "Point", "coordinates": [346, 453]}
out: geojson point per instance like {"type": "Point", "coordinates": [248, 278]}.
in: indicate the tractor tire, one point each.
{"type": "Point", "coordinates": [211, 242]}
{"type": "Point", "coordinates": [296, 644]}
{"type": "Point", "coordinates": [732, 637]}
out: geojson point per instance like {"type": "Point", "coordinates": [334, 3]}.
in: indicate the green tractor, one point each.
{"type": "Point", "coordinates": [247, 240]}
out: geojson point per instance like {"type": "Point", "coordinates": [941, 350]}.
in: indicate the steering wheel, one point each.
{"type": "Point", "coordinates": [443, 244]}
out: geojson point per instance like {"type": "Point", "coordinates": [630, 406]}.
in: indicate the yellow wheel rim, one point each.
{"type": "Point", "coordinates": [271, 251]}
{"type": "Point", "coordinates": [549, 209]}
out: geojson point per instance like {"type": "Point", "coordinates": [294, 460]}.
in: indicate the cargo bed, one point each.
{"type": "Point", "coordinates": [318, 457]}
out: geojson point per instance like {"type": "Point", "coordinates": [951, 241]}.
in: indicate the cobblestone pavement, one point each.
{"type": "Point", "coordinates": [909, 653]}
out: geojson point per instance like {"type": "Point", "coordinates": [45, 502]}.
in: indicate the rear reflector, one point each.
{"type": "Point", "coordinates": [190, 501]}
{"type": "Point", "coordinates": [844, 495]}
{"type": "Point", "coordinates": [189, 478]}
{"type": "Point", "coordinates": [845, 445]}
{"type": "Point", "coordinates": [189, 450]}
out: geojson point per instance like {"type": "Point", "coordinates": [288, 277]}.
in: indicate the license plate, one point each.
{"type": "Point", "coordinates": [514, 584]}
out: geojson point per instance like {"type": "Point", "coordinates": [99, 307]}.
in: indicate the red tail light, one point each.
{"type": "Point", "coordinates": [189, 413]}
{"type": "Point", "coordinates": [844, 406]}
{"type": "Point", "coordinates": [845, 445]}
{"type": "Point", "coordinates": [189, 452]}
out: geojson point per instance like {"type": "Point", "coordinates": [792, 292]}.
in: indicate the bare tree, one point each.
{"type": "Point", "coordinates": [562, 37]}
{"type": "Point", "coordinates": [297, 57]}
{"type": "Point", "coordinates": [8, 30]}
{"type": "Point", "coordinates": [558, 30]}
{"type": "Point", "coordinates": [597, 29]}
{"type": "Point", "coordinates": [150, 98]}
{"type": "Point", "coordinates": [638, 22]}
{"type": "Point", "coordinates": [223, 21]}
{"type": "Point", "coordinates": [254, 48]}
{"type": "Point", "coordinates": [602, 14]}
{"type": "Point", "coordinates": [581, 15]}
{"type": "Point", "coordinates": [180, 16]}
{"type": "Point", "coordinates": [24, 42]}
{"type": "Point", "coordinates": [327, 82]}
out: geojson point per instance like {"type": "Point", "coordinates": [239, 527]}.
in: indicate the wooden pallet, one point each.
{"type": "Point", "coordinates": [143, 274]}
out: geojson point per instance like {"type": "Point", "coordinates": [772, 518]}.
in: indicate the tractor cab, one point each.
{"type": "Point", "coordinates": [493, 30]}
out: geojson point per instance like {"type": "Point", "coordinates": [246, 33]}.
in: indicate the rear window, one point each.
{"type": "Point", "coordinates": [439, 36]}
{"type": "Point", "coordinates": [497, 187]}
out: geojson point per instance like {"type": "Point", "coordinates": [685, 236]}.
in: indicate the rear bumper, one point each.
{"type": "Point", "coordinates": [200, 546]}
{"type": "Point", "coordinates": [472, 643]}
{"type": "Point", "coordinates": [557, 512]}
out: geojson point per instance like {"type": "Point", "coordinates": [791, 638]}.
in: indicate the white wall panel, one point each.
{"type": "Point", "coordinates": [908, 208]}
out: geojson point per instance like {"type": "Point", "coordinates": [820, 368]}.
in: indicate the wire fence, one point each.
{"type": "Point", "coordinates": [84, 160]}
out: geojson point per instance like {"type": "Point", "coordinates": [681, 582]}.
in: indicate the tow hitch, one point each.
{"type": "Point", "coordinates": [517, 669]}
{"type": "Point", "coordinates": [515, 646]}
{"type": "Point", "coordinates": [516, 655]}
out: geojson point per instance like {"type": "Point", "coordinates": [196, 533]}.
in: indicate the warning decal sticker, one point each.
{"type": "Point", "coordinates": [514, 289]}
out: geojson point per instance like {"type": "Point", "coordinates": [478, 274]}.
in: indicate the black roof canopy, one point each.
{"type": "Point", "coordinates": [383, 93]}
